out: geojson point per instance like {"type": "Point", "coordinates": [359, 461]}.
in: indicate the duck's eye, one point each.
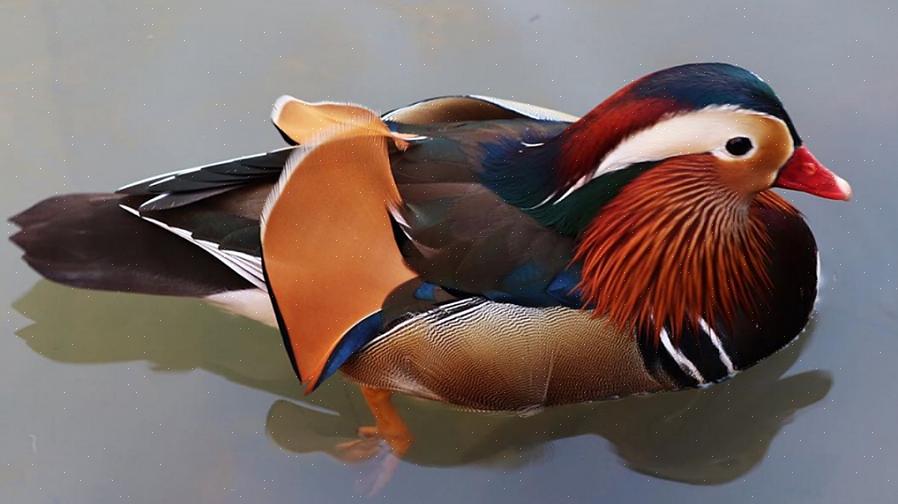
{"type": "Point", "coordinates": [738, 146]}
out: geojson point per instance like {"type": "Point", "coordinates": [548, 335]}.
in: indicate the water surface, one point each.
{"type": "Point", "coordinates": [108, 397]}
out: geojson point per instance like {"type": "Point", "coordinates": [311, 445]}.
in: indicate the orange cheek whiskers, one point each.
{"type": "Point", "coordinates": [676, 247]}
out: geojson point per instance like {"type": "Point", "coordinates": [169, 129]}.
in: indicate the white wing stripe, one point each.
{"type": "Point", "coordinates": [685, 364]}
{"type": "Point", "coordinates": [724, 357]}
{"type": "Point", "coordinates": [158, 178]}
{"type": "Point", "coordinates": [245, 265]}
{"type": "Point", "coordinates": [531, 111]}
{"type": "Point", "coordinates": [426, 315]}
{"type": "Point", "coordinates": [525, 109]}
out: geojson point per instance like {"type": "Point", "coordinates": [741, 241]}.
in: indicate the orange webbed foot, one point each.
{"type": "Point", "coordinates": [383, 443]}
{"type": "Point", "coordinates": [358, 450]}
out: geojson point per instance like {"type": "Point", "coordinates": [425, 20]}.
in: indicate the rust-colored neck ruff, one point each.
{"type": "Point", "coordinates": [677, 245]}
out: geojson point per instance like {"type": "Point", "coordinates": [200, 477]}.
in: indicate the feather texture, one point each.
{"type": "Point", "coordinates": [327, 242]}
{"type": "Point", "coordinates": [676, 246]}
{"type": "Point", "coordinates": [466, 241]}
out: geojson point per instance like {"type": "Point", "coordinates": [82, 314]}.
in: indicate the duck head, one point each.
{"type": "Point", "coordinates": [670, 181]}
{"type": "Point", "coordinates": [720, 115]}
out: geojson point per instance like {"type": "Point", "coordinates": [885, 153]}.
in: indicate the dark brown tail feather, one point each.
{"type": "Point", "coordinates": [86, 240]}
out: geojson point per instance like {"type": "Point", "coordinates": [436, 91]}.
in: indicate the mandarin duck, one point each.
{"type": "Point", "coordinates": [481, 251]}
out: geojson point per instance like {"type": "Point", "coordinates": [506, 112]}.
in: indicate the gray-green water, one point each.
{"type": "Point", "coordinates": [109, 397]}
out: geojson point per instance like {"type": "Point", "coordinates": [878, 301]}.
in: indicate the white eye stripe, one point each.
{"type": "Point", "coordinates": [699, 131]}
{"type": "Point", "coordinates": [693, 132]}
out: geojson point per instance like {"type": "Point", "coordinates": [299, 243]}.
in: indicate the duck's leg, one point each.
{"type": "Point", "coordinates": [388, 426]}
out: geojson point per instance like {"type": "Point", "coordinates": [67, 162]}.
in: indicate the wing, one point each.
{"type": "Point", "coordinates": [327, 222]}
{"type": "Point", "coordinates": [458, 233]}
{"type": "Point", "coordinates": [183, 187]}
{"type": "Point", "coordinates": [217, 206]}
{"type": "Point", "coordinates": [327, 242]}
{"type": "Point", "coordinates": [465, 108]}
{"type": "Point", "coordinates": [227, 226]}
{"type": "Point", "coordinates": [464, 241]}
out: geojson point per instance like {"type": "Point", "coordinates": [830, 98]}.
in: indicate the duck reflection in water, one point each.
{"type": "Point", "coordinates": [701, 436]}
